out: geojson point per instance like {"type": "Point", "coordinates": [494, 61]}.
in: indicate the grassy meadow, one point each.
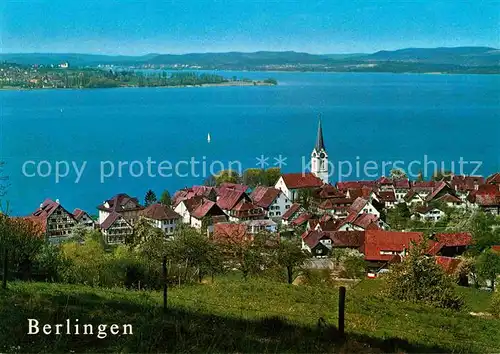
{"type": "Point", "coordinates": [232, 315]}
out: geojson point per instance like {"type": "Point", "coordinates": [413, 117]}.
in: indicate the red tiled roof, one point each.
{"type": "Point", "coordinates": [488, 189]}
{"type": "Point", "coordinates": [411, 194]}
{"type": "Point", "coordinates": [159, 212]}
{"type": "Point", "coordinates": [384, 181]}
{"type": "Point", "coordinates": [312, 237]}
{"type": "Point", "coordinates": [327, 191]}
{"type": "Point", "coordinates": [425, 209]}
{"type": "Point", "coordinates": [387, 196]}
{"type": "Point", "coordinates": [291, 211]}
{"type": "Point", "coordinates": [313, 223]}
{"type": "Point", "coordinates": [301, 180]}
{"type": "Point", "coordinates": [455, 239]}
{"type": "Point", "coordinates": [206, 207]}
{"type": "Point", "coordinates": [354, 239]}
{"type": "Point", "coordinates": [402, 183]}
{"type": "Point", "coordinates": [357, 206]}
{"type": "Point", "coordinates": [466, 183]}
{"type": "Point", "coordinates": [495, 248]}
{"type": "Point", "coordinates": [47, 208]}
{"type": "Point", "coordinates": [301, 219]}
{"type": "Point", "coordinates": [487, 200]}
{"type": "Point", "coordinates": [448, 264]}
{"type": "Point", "coordinates": [232, 186]}
{"type": "Point", "coordinates": [438, 188]}
{"type": "Point", "coordinates": [228, 198]}
{"type": "Point", "coordinates": [493, 179]}
{"type": "Point", "coordinates": [449, 198]}
{"type": "Point", "coordinates": [365, 219]}
{"type": "Point", "coordinates": [264, 196]}
{"type": "Point", "coordinates": [343, 186]}
{"type": "Point", "coordinates": [332, 203]}
{"type": "Point", "coordinates": [395, 241]}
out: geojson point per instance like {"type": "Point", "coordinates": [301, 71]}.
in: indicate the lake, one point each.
{"type": "Point", "coordinates": [366, 117]}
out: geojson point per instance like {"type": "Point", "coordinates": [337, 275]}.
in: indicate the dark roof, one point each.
{"type": "Point", "coordinates": [448, 264]}
{"type": "Point", "coordinates": [387, 196]}
{"type": "Point", "coordinates": [493, 179]}
{"type": "Point", "coordinates": [301, 219]}
{"type": "Point", "coordinates": [301, 180]}
{"type": "Point", "coordinates": [118, 203]}
{"type": "Point", "coordinates": [354, 239]}
{"type": "Point", "coordinates": [111, 219]}
{"type": "Point", "coordinates": [355, 184]}
{"type": "Point", "coordinates": [320, 145]}
{"type": "Point", "coordinates": [159, 212]}
{"type": "Point", "coordinates": [233, 186]}
{"type": "Point", "coordinates": [47, 208]}
{"type": "Point", "coordinates": [228, 198]}
{"type": "Point", "coordinates": [206, 207]}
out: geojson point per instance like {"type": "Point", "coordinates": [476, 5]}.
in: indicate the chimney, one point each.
{"type": "Point", "coordinates": [57, 201]}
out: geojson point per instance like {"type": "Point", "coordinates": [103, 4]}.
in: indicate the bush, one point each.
{"type": "Point", "coordinates": [495, 305]}
{"type": "Point", "coordinates": [419, 279]}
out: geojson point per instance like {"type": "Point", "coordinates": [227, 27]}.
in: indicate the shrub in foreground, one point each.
{"type": "Point", "coordinates": [419, 279]}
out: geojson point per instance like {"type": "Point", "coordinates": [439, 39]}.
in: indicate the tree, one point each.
{"type": "Point", "coordinates": [350, 263]}
{"type": "Point", "coordinates": [485, 230]}
{"type": "Point", "coordinates": [304, 197]}
{"type": "Point", "coordinates": [399, 216]}
{"type": "Point", "coordinates": [398, 173]}
{"type": "Point", "coordinates": [254, 177]}
{"type": "Point", "coordinates": [291, 257]}
{"type": "Point", "coordinates": [442, 175]}
{"type": "Point", "coordinates": [272, 175]}
{"type": "Point", "coordinates": [419, 279]}
{"type": "Point", "coordinates": [165, 198]}
{"type": "Point", "coordinates": [488, 266]}
{"type": "Point", "coordinates": [227, 176]}
{"type": "Point", "coordinates": [150, 198]}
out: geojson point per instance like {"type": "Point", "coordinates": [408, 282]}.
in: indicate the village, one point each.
{"type": "Point", "coordinates": [347, 215]}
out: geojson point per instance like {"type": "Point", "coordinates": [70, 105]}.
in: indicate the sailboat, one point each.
{"type": "Point", "coordinates": [208, 138]}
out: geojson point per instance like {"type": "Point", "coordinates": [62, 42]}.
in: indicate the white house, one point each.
{"type": "Point", "coordinates": [58, 222]}
{"type": "Point", "coordinates": [84, 219]}
{"type": "Point", "coordinates": [291, 183]}
{"type": "Point", "coordinates": [116, 229]}
{"type": "Point", "coordinates": [256, 226]}
{"type": "Point", "coordinates": [122, 204]}
{"type": "Point", "coordinates": [274, 202]}
{"type": "Point", "coordinates": [427, 213]}
{"type": "Point", "coordinates": [162, 217]}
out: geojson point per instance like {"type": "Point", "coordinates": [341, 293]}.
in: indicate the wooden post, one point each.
{"type": "Point", "coordinates": [164, 284]}
{"type": "Point", "coordinates": [5, 266]}
{"type": "Point", "coordinates": [341, 310]}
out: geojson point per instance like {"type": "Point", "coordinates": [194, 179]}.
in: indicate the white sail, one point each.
{"type": "Point", "coordinates": [208, 138]}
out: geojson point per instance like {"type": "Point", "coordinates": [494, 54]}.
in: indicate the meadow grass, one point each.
{"type": "Point", "coordinates": [233, 315]}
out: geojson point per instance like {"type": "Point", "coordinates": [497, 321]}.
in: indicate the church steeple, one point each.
{"type": "Point", "coordinates": [320, 145]}
{"type": "Point", "coordinates": [319, 157]}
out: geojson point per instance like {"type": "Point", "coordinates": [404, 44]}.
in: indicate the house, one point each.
{"type": "Point", "coordinates": [450, 244]}
{"type": "Point", "coordinates": [451, 201]}
{"type": "Point", "coordinates": [388, 198]}
{"type": "Point", "coordinates": [162, 217]}
{"type": "Point", "coordinates": [360, 206]}
{"type": "Point", "coordinates": [206, 214]}
{"type": "Point", "coordinates": [381, 247]}
{"type": "Point", "coordinates": [273, 201]}
{"type": "Point", "coordinates": [301, 219]}
{"type": "Point", "coordinates": [413, 198]}
{"type": "Point", "coordinates": [263, 225]}
{"type": "Point", "coordinates": [487, 198]}
{"type": "Point", "coordinates": [335, 206]}
{"type": "Point", "coordinates": [493, 179]}
{"type": "Point", "coordinates": [186, 207]}
{"type": "Point", "coordinates": [427, 213]}
{"type": "Point", "coordinates": [423, 188]}
{"type": "Point", "coordinates": [444, 192]}
{"type": "Point", "coordinates": [122, 204]}
{"type": "Point", "coordinates": [364, 221]}
{"type": "Point", "coordinates": [231, 233]}
{"type": "Point", "coordinates": [292, 213]}
{"type": "Point", "coordinates": [344, 186]}
{"type": "Point", "coordinates": [450, 266]}
{"type": "Point", "coordinates": [245, 210]}
{"type": "Point", "coordinates": [232, 186]}
{"type": "Point", "coordinates": [321, 243]}
{"type": "Point", "coordinates": [57, 223]}
{"type": "Point", "coordinates": [195, 191]}
{"type": "Point", "coordinates": [385, 184]}
{"type": "Point", "coordinates": [463, 185]}
{"type": "Point", "coordinates": [83, 218]}
{"type": "Point", "coordinates": [116, 229]}
{"type": "Point", "coordinates": [401, 188]}
{"type": "Point", "coordinates": [292, 183]}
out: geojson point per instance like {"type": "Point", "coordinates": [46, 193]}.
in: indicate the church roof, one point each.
{"type": "Point", "coordinates": [320, 145]}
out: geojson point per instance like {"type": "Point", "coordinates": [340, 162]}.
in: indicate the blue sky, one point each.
{"type": "Point", "coordinates": [166, 26]}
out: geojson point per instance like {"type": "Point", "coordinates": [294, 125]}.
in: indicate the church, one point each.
{"type": "Point", "coordinates": [291, 183]}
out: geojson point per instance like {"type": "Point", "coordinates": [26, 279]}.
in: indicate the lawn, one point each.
{"type": "Point", "coordinates": [232, 315]}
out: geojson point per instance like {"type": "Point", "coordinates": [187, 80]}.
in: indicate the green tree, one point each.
{"type": "Point", "coordinates": [150, 198]}
{"type": "Point", "coordinates": [291, 257]}
{"type": "Point", "coordinates": [442, 175]}
{"type": "Point", "coordinates": [272, 175]}
{"type": "Point", "coordinates": [304, 197]}
{"type": "Point", "coordinates": [165, 198]}
{"type": "Point", "coordinates": [227, 176]}
{"type": "Point", "coordinates": [419, 279]}
{"type": "Point", "coordinates": [488, 266]}
{"type": "Point", "coordinates": [398, 173]}
{"type": "Point", "coordinates": [399, 217]}
{"type": "Point", "coordinates": [253, 177]}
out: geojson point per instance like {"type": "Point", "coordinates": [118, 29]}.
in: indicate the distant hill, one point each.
{"type": "Point", "coordinates": [466, 56]}
{"type": "Point", "coordinates": [458, 59]}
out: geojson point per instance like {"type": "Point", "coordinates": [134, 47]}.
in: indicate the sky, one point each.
{"type": "Point", "coordinates": [184, 26]}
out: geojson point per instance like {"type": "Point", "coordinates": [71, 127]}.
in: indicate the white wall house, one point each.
{"type": "Point", "coordinates": [162, 217]}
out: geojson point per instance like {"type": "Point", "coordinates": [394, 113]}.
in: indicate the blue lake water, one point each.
{"type": "Point", "coordinates": [379, 117]}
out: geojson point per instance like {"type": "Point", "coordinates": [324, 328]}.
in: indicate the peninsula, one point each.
{"type": "Point", "coordinates": [16, 76]}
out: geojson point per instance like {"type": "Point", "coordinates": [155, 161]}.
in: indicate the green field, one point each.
{"type": "Point", "coordinates": [232, 315]}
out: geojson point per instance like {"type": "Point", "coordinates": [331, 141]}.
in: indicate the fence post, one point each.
{"type": "Point", "coordinates": [5, 266]}
{"type": "Point", "coordinates": [341, 310]}
{"type": "Point", "coordinates": [164, 283]}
